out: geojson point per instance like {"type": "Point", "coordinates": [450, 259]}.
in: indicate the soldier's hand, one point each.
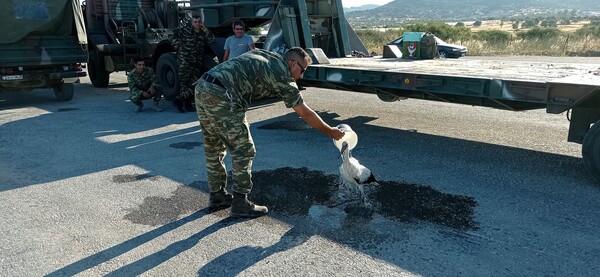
{"type": "Point", "coordinates": [147, 94]}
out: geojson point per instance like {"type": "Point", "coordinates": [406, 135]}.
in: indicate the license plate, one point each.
{"type": "Point", "coordinates": [12, 77]}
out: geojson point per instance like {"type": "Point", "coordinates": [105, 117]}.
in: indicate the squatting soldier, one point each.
{"type": "Point", "coordinates": [222, 98]}
{"type": "Point", "coordinates": [190, 43]}
{"type": "Point", "coordinates": [143, 85]}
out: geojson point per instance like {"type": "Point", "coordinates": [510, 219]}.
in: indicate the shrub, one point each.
{"type": "Point", "coordinates": [493, 36]}
{"type": "Point", "coordinates": [538, 33]}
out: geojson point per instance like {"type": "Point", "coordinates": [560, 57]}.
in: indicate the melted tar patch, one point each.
{"type": "Point", "coordinates": [295, 190]}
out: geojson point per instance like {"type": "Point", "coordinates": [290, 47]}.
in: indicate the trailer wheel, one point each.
{"type": "Point", "coordinates": [590, 150]}
{"type": "Point", "coordinates": [167, 71]}
{"type": "Point", "coordinates": [386, 97]}
{"type": "Point", "coordinates": [96, 70]}
{"type": "Point", "coordinates": [64, 92]}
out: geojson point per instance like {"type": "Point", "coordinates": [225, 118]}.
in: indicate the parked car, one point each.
{"type": "Point", "coordinates": [445, 49]}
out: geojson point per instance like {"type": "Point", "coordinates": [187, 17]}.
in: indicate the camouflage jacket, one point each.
{"type": "Point", "coordinates": [191, 43]}
{"type": "Point", "coordinates": [257, 74]}
{"type": "Point", "coordinates": [140, 82]}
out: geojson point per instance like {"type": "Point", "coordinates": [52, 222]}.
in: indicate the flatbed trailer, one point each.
{"type": "Point", "coordinates": [500, 83]}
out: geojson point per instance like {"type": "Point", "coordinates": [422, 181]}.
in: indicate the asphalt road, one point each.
{"type": "Point", "coordinates": [88, 187]}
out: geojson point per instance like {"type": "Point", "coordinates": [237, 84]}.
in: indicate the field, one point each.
{"type": "Point", "coordinates": [566, 43]}
{"type": "Point", "coordinates": [507, 26]}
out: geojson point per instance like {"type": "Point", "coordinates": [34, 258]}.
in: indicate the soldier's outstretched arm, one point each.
{"type": "Point", "coordinates": [315, 121]}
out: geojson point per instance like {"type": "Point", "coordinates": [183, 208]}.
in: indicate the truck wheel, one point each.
{"type": "Point", "coordinates": [64, 92]}
{"type": "Point", "coordinates": [167, 71]}
{"type": "Point", "coordinates": [590, 150]}
{"type": "Point", "coordinates": [96, 71]}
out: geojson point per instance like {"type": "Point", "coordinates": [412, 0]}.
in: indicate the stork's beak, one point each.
{"type": "Point", "coordinates": [344, 147]}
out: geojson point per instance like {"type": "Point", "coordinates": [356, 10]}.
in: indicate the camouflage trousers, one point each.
{"type": "Point", "coordinates": [188, 74]}
{"type": "Point", "coordinates": [136, 96]}
{"type": "Point", "coordinates": [224, 130]}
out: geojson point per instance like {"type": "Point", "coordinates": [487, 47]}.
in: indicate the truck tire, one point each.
{"type": "Point", "coordinates": [590, 151]}
{"type": "Point", "coordinates": [96, 70]}
{"type": "Point", "coordinates": [167, 71]}
{"type": "Point", "coordinates": [64, 92]}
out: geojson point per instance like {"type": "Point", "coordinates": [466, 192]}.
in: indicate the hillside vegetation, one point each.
{"type": "Point", "coordinates": [564, 32]}
{"type": "Point", "coordinates": [400, 12]}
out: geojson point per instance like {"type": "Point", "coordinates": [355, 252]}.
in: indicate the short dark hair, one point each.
{"type": "Point", "coordinates": [297, 53]}
{"type": "Point", "coordinates": [138, 59]}
{"type": "Point", "coordinates": [197, 17]}
{"type": "Point", "coordinates": [238, 23]}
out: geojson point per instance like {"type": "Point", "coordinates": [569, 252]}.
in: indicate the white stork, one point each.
{"type": "Point", "coordinates": [353, 174]}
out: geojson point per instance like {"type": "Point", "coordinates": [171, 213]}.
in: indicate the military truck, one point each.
{"type": "Point", "coordinates": [119, 30]}
{"type": "Point", "coordinates": [43, 44]}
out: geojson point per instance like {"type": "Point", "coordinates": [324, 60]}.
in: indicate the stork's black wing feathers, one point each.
{"type": "Point", "coordinates": [369, 180]}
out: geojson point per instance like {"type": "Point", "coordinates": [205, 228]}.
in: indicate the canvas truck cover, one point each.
{"type": "Point", "coordinates": [22, 18]}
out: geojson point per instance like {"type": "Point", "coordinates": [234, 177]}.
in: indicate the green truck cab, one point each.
{"type": "Point", "coordinates": [43, 45]}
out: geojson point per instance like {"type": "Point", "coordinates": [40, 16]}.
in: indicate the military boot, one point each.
{"type": "Point", "coordinates": [190, 106]}
{"type": "Point", "coordinates": [179, 105]}
{"type": "Point", "coordinates": [219, 200]}
{"type": "Point", "coordinates": [242, 207]}
{"type": "Point", "coordinates": [156, 107]}
{"type": "Point", "coordinates": [138, 108]}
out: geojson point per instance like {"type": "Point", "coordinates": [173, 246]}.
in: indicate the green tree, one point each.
{"type": "Point", "coordinates": [548, 23]}
{"type": "Point", "coordinates": [254, 32]}
{"type": "Point", "coordinates": [441, 30]}
{"type": "Point", "coordinates": [528, 23]}
{"type": "Point", "coordinates": [515, 25]}
{"type": "Point", "coordinates": [459, 24]}
{"type": "Point", "coordinates": [477, 23]}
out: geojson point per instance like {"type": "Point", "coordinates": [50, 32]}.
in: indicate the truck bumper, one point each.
{"type": "Point", "coordinates": [29, 80]}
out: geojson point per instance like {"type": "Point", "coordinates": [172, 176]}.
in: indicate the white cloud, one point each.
{"type": "Point", "coordinates": [356, 3]}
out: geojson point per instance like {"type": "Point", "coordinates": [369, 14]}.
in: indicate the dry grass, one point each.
{"type": "Point", "coordinates": [564, 45]}
{"type": "Point", "coordinates": [507, 26]}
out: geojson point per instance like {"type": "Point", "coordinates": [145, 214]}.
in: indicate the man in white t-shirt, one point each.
{"type": "Point", "coordinates": [239, 43]}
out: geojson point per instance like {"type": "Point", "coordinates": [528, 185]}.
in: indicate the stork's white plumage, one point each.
{"type": "Point", "coordinates": [354, 177]}
{"type": "Point", "coordinates": [352, 172]}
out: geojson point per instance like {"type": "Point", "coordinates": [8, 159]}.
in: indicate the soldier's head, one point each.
{"type": "Point", "coordinates": [140, 64]}
{"type": "Point", "coordinates": [238, 28]}
{"type": "Point", "coordinates": [298, 60]}
{"type": "Point", "coordinates": [197, 22]}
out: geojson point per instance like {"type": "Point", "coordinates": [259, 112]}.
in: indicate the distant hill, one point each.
{"type": "Point", "coordinates": [360, 8]}
{"type": "Point", "coordinates": [405, 11]}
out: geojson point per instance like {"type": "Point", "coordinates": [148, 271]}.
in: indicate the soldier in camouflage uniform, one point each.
{"type": "Point", "coordinates": [143, 85]}
{"type": "Point", "coordinates": [223, 95]}
{"type": "Point", "coordinates": [190, 43]}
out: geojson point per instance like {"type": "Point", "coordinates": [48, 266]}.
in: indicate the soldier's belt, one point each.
{"type": "Point", "coordinates": [234, 103]}
{"type": "Point", "coordinates": [211, 79]}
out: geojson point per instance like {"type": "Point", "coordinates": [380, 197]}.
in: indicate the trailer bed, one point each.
{"type": "Point", "coordinates": [513, 83]}
{"type": "Point", "coordinates": [498, 68]}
